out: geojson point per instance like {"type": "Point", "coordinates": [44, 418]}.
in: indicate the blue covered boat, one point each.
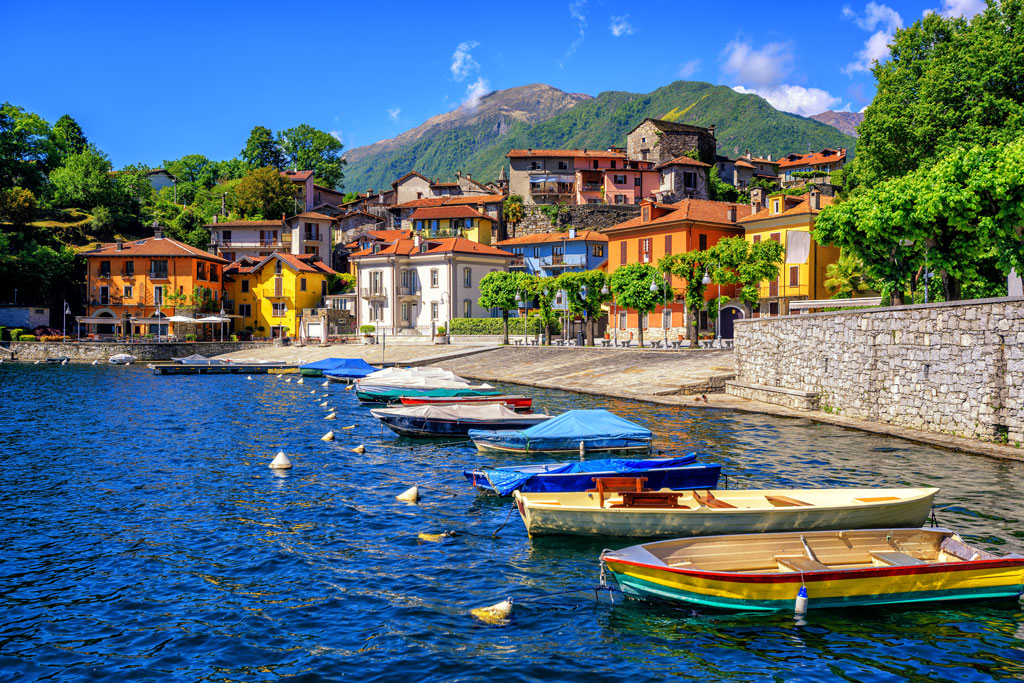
{"type": "Point", "coordinates": [662, 473]}
{"type": "Point", "coordinates": [598, 430]}
{"type": "Point", "coordinates": [338, 368]}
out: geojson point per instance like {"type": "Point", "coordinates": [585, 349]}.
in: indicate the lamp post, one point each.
{"type": "Point", "coordinates": [521, 303]}
{"type": "Point", "coordinates": [664, 296]}
{"type": "Point", "coordinates": [604, 292]}
{"type": "Point", "coordinates": [586, 316]}
{"type": "Point", "coordinates": [446, 330]}
{"type": "Point", "coordinates": [706, 280]}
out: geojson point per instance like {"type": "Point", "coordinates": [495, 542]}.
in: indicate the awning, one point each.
{"type": "Point", "coordinates": [98, 320]}
{"type": "Point", "coordinates": [151, 321]}
{"type": "Point", "coordinates": [181, 319]}
{"type": "Point", "coordinates": [213, 319]}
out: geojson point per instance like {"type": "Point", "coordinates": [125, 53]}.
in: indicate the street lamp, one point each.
{"type": "Point", "coordinates": [664, 304]}
{"type": "Point", "coordinates": [615, 325]}
{"type": "Point", "coordinates": [521, 303]}
{"type": "Point", "coordinates": [583, 300]}
{"type": "Point", "coordinates": [443, 295]}
{"type": "Point", "coordinates": [706, 280]}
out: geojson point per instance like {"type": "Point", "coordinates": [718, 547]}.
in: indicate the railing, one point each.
{"type": "Point", "coordinates": [517, 262]}
{"type": "Point", "coordinates": [158, 275]}
{"type": "Point", "coordinates": [315, 236]}
{"type": "Point", "coordinates": [109, 301]}
{"type": "Point", "coordinates": [564, 260]}
{"type": "Point", "coordinates": [591, 187]}
{"type": "Point", "coordinates": [373, 292]}
{"type": "Point", "coordinates": [104, 275]}
{"type": "Point", "coordinates": [408, 291]}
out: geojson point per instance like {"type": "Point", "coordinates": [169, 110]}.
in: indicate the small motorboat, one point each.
{"type": "Point", "coordinates": [836, 568]}
{"type": "Point", "coordinates": [515, 402]}
{"type": "Point", "coordinates": [122, 359]}
{"type": "Point", "coordinates": [574, 431]}
{"type": "Point", "coordinates": [619, 509]}
{"type": "Point", "coordinates": [199, 359]}
{"type": "Point", "coordinates": [390, 384]}
{"type": "Point", "coordinates": [453, 419]}
{"type": "Point", "coordinates": [339, 369]}
{"type": "Point", "coordinates": [659, 473]}
{"type": "Point", "coordinates": [59, 359]}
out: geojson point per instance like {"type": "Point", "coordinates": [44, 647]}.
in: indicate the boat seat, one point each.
{"type": "Point", "coordinates": [961, 550]}
{"type": "Point", "coordinates": [650, 499]}
{"type": "Point", "coordinates": [877, 499]}
{"type": "Point", "coordinates": [893, 558]}
{"type": "Point", "coordinates": [616, 485]}
{"type": "Point", "coordinates": [799, 563]}
{"type": "Point", "coordinates": [786, 502]}
{"type": "Point", "coordinates": [707, 499]}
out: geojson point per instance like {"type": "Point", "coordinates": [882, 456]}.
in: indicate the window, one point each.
{"type": "Point", "coordinates": [129, 268]}
{"type": "Point", "coordinates": [468, 223]}
{"type": "Point", "coordinates": [314, 250]}
{"type": "Point", "coordinates": [268, 238]}
{"type": "Point", "coordinates": [467, 308]}
{"type": "Point", "coordinates": [776, 237]}
{"type": "Point", "coordinates": [619, 179]}
{"type": "Point", "coordinates": [643, 140]}
{"type": "Point", "coordinates": [668, 244]}
{"type": "Point", "coordinates": [775, 206]}
{"type": "Point", "coordinates": [127, 291]}
{"type": "Point", "coordinates": [645, 250]}
{"type": "Point", "coordinates": [433, 310]}
{"type": "Point", "coordinates": [636, 181]}
{"type": "Point", "coordinates": [613, 164]}
{"type": "Point", "coordinates": [104, 295]}
{"type": "Point", "coordinates": [595, 163]}
{"type": "Point", "coordinates": [597, 251]}
{"type": "Point", "coordinates": [405, 312]}
{"type": "Point", "coordinates": [794, 276]}
{"type": "Point", "coordinates": [689, 180]}
{"type": "Point", "coordinates": [562, 166]}
{"type": "Point", "coordinates": [312, 231]}
{"type": "Point", "coordinates": [214, 273]}
{"type": "Point", "coordinates": [104, 268]}
{"type": "Point", "coordinates": [245, 310]}
{"type": "Point", "coordinates": [200, 270]}
{"type": "Point", "coordinates": [433, 225]}
{"type": "Point", "coordinates": [622, 253]}
{"type": "Point", "coordinates": [622, 320]}
{"type": "Point", "coordinates": [536, 252]}
{"type": "Point", "coordinates": [702, 242]}
{"type": "Point", "coordinates": [534, 166]}
{"type": "Point", "coordinates": [226, 237]}
{"type": "Point", "coordinates": [245, 286]}
{"type": "Point", "coordinates": [302, 284]}
{"type": "Point", "coordinates": [620, 199]}
{"type": "Point", "coordinates": [757, 238]}
{"type": "Point", "coordinates": [280, 309]}
{"type": "Point", "coordinates": [323, 288]}
{"type": "Point", "coordinates": [467, 278]}
{"type": "Point", "coordinates": [645, 213]}
{"type": "Point", "coordinates": [158, 295]}
{"type": "Point", "coordinates": [405, 278]}
{"type": "Point", "coordinates": [277, 266]}
{"type": "Point", "coordinates": [433, 277]}
{"type": "Point", "coordinates": [158, 270]}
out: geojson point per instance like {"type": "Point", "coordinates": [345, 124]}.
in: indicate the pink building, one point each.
{"type": "Point", "coordinates": [580, 176]}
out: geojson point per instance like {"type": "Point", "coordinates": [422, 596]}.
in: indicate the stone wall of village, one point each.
{"type": "Point", "coordinates": [102, 351]}
{"type": "Point", "coordinates": [581, 217]}
{"type": "Point", "coordinates": [955, 368]}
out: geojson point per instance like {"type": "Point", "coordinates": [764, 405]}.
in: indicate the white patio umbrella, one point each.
{"type": "Point", "coordinates": [215, 319]}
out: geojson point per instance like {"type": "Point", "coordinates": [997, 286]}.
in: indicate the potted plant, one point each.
{"type": "Point", "coordinates": [367, 331]}
{"type": "Point", "coordinates": [441, 335]}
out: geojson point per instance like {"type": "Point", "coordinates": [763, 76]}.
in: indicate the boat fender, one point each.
{"type": "Point", "coordinates": [64, 362]}
{"type": "Point", "coordinates": [300, 381]}
{"type": "Point", "coordinates": [348, 387]}
{"type": "Point", "coordinates": [409, 495]}
{"type": "Point", "coordinates": [800, 607]}
{"type": "Point", "coordinates": [324, 404]}
{"type": "Point", "coordinates": [281, 462]}
{"type": "Point", "coordinates": [329, 436]}
{"type": "Point", "coordinates": [583, 449]}
{"type": "Point", "coordinates": [349, 427]}
{"type": "Point", "coordinates": [288, 380]}
{"type": "Point", "coordinates": [495, 614]}
{"type": "Point", "coordinates": [95, 362]}
{"type": "Point", "coordinates": [331, 416]}
{"type": "Point", "coordinates": [327, 383]}
{"type": "Point", "coordinates": [359, 449]}
{"type": "Point", "coordinates": [36, 363]}
{"type": "Point", "coordinates": [325, 395]}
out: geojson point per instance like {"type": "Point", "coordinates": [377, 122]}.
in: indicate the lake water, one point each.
{"type": "Point", "coordinates": [144, 538]}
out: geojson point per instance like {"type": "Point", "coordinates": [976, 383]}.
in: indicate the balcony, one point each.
{"type": "Point", "coordinates": [517, 262]}
{"type": "Point", "coordinates": [313, 236]}
{"type": "Point", "coordinates": [591, 187]}
{"type": "Point", "coordinates": [373, 292]}
{"type": "Point", "coordinates": [104, 275]}
{"type": "Point", "coordinates": [105, 301]}
{"type": "Point", "coordinates": [157, 275]}
{"type": "Point", "coordinates": [563, 261]}
{"type": "Point", "coordinates": [409, 292]}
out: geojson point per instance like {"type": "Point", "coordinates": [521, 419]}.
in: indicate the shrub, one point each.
{"type": "Point", "coordinates": [52, 338]}
{"type": "Point", "coordinates": [367, 329]}
{"type": "Point", "coordinates": [493, 326]}
{"type": "Point", "coordinates": [27, 337]}
{"type": "Point", "coordinates": [190, 337]}
{"type": "Point", "coordinates": [233, 337]}
{"type": "Point", "coordinates": [441, 331]}
{"type": "Point", "coordinates": [16, 332]}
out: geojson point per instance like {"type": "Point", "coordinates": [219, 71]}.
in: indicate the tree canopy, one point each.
{"type": "Point", "coordinates": [499, 289]}
{"type": "Point", "coordinates": [309, 149]}
{"type": "Point", "coordinates": [631, 285]}
{"type": "Point", "coordinates": [261, 149]}
{"type": "Point", "coordinates": [265, 194]}
{"type": "Point", "coordinates": [84, 181]}
{"type": "Point", "coordinates": [584, 295]}
{"type": "Point", "coordinates": [735, 261]}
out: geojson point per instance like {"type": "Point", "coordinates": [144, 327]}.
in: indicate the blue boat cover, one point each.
{"type": "Point", "coordinates": [505, 480]}
{"type": "Point", "coordinates": [595, 428]}
{"type": "Point", "coordinates": [341, 367]}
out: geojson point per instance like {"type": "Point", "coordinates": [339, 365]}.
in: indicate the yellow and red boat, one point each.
{"type": "Point", "coordinates": [836, 568]}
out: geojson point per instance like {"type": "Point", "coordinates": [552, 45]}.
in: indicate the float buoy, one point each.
{"type": "Point", "coordinates": [300, 381]}
{"type": "Point", "coordinates": [281, 462]}
{"type": "Point", "coordinates": [436, 538]}
{"type": "Point", "coordinates": [324, 404]}
{"type": "Point", "coordinates": [326, 384]}
{"type": "Point", "coordinates": [249, 377]}
{"type": "Point", "coordinates": [329, 436]}
{"type": "Point", "coordinates": [348, 388]}
{"type": "Point", "coordinates": [349, 427]}
{"type": "Point", "coordinates": [36, 363]}
{"type": "Point", "coordinates": [331, 416]}
{"type": "Point", "coordinates": [800, 607]}
{"type": "Point", "coordinates": [495, 614]}
{"type": "Point", "coordinates": [409, 495]}
{"type": "Point", "coordinates": [95, 362]}
{"type": "Point", "coordinates": [288, 380]}
{"type": "Point", "coordinates": [359, 449]}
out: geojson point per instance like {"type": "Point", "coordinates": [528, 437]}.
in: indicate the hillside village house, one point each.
{"type": "Point", "coordinates": [490, 206]}
{"type": "Point", "coordinates": [270, 295]}
{"type": "Point", "coordinates": [414, 185]}
{"type": "Point", "coordinates": [412, 286]}
{"type": "Point", "coordinates": [790, 220]}
{"type": "Point", "coordinates": [452, 221]}
{"type": "Point", "coordinates": [127, 284]}
{"type": "Point", "coordinates": [305, 233]}
{"type": "Point", "coordinates": [747, 168]}
{"type": "Point", "coordinates": [823, 162]}
{"type": "Point", "coordinates": [662, 229]}
{"type": "Point", "coordinates": [160, 178]}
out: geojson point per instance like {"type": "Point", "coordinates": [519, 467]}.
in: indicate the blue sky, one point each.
{"type": "Point", "coordinates": [155, 81]}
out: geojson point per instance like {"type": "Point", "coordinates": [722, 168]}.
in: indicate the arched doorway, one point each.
{"type": "Point", "coordinates": [729, 315]}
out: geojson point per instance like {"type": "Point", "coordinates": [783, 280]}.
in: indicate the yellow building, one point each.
{"type": "Point", "coordinates": [436, 222]}
{"type": "Point", "coordinates": [790, 220]}
{"type": "Point", "coordinates": [269, 295]}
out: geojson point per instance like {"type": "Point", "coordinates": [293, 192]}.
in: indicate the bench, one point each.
{"type": "Point", "coordinates": [655, 344]}
{"type": "Point", "coordinates": [706, 343]}
{"type": "Point", "coordinates": [534, 342]}
{"type": "Point", "coordinates": [709, 501]}
{"type": "Point", "coordinates": [650, 499]}
{"type": "Point", "coordinates": [891, 558]}
{"type": "Point", "coordinates": [606, 342]}
{"type": "Point", "coordinates": [616, 485]}
{"type": "Point", "coordinates": [799, 563]}
{"type": "Point", "coordinates": [676, 344]}
{"type": "Point", "coordinates": [786, 502]}
{"type": "Point", "coordinates": [517, 342]}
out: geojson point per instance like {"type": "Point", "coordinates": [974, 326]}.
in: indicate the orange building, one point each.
{"type": "Point", "coordinates": [663, 229]}
{"type": "Point", "coordinates": [127, 284]}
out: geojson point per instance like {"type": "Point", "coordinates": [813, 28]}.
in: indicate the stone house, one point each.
{"type": "Point", "coordinates": [660, 141]}
{"type": "Point", "coordinates": [823, 163]}
{"type": "Point", "coordinates": [682, 178]}
{"type": "Point", "coordinates": [579, 176]}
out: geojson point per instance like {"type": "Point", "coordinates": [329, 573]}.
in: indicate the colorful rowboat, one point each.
{"type": "Point", "coordinates": [650, 514]}
{"type": "Point", "coordinates": [375, 394]}
{"type": "Point", "coordinates": [838, 569]}
{"type": "Point", "coordinates": [572, 432]}
{"type": "Point", "coordinates": [515, 402]}
{"type": "Point", "coordinates": [453, 420]}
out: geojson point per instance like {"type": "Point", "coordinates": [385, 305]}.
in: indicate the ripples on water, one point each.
{"type": "Point", "coordinates": [145, 538]}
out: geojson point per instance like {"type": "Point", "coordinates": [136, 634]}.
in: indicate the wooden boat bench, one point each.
{"type": "Point", "coordinates": [786, 502]}
{"type": "Point", "coordinates": [892, 558]}
{"type": "Point", "coordinates": [799, 563]}
{"type": "Point", "coordinates": [707, 499]}
{"type": "Point", "coordinates": [616, 485]}
{"type": "Point", "coordinates": [650, 499]}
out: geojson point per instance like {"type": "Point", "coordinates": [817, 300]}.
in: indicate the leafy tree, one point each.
{"type": "Point", "coordinates": [584, 295]}
{"type": "Point", "coordinates": [264, 194]}
{"type": "Point", "coordinates": [950, 84]}
{"type": "Point", "coordinates": [735, 261]}
{"type": "Point", "coordinates": [68, 138]}
{"type": "Point", "coordinates": [349, 197]}
{"type": "Point", "coordinates": [543, 290]}
{"type": "Point", "coordinates": [340, 283]}
{"type": "Point", "coordinates": [513, 210]}
{"type": "Point", "coordinates": [691, 267]}
{"type": "Point", "coordinates": [133, 188]}
{"type": "Point", "coordinates": [499, 290]}
{"type": "Point", "coordinates": [45, 272]}
{"type": "Point", "coordinates": [17, 205]}
{"type": "Point", "coordinates": [631, 285]}
{"type": "Point", "coordinates": [193, 169]}
{"type": "Point", "coordinates": [845, 278]}
{"type": "Point", "coordinates": [309, 149]}
{"type": "Point", "coordinates": [261, 149]}
{"type": "Point", "coordinates": [26, 149]}
{"type": "Point", "coordinates": [84, 181]}
{"type": "Point", "coordinates": [189, 226]}
{"type": "Point", "coordinates": [233, 169]}
{"type": "Point", "coordinates": [718, 189]}
{"type": "Point", "coordinates": [102, 222]}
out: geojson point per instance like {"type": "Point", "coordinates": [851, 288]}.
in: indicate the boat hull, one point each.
{"type": "Point", "coordinates": [578, 520]}
{"type": "Point", "coordinates": [631, 450]}
{"type": "Point", "coordinates": [679, 478]}
{"type": "Point", "coordinates": [422, 427]}
{"type": "Point", "coordinates": [383, 395]}
{"type": "Point", "coordinates": [518, 403]}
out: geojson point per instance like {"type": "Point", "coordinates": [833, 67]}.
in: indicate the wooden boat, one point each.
{"type": "Point", "coordinates": [839, 569]}
{"type": "Point", "coordinates": [649, 514]}
{"type": "Point", "coordinates": [59, 359]}
{"type": "Point", "coordinates": [390, 394]}
{"type": "Point", "coordinates": [515, 402]}
{"type": "Point", "coordinates": [453, 419]}
{"type": "Point", "coordinates": [122, 359]}
{"type": "Point", "coordinates": [659, 473]}
{"type": "Point", "coordinates": [572, 432]}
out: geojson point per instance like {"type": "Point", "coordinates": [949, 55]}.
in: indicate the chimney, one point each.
{"type": "Point", "coordinates": [282, 215]}
{"type": "Point", "coordinates": [417, 241]}
{"type": "Point", "coordinates": [769, 157]}
{"type": "Point", "coordinates": [747, 152]}
{"type": "Point", "coordinates": [730, 213]}
{"type": "Point", "coordinates": [815, 199]}
{"type": "Point", "coordinates": [158, 232]}
{"type": "Point", "coordinates": [572, 233]}
{"type": "Point", "coordinates": [458, 174]}
{"type": "Point", "coordinates": [756, 198]}
{"type": "Point", "coordinates": [469, 176]}
{"type": "Point", "coordinates": [119, 245]}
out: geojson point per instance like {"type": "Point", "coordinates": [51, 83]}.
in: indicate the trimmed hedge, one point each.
{"type": "Point", "coordinates": [27, 337]}
{"type": "Point", "coordinates": [459, 326]}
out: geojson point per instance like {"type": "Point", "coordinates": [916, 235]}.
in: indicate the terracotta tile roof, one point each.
{"type": "Point", "coordinates": [246, 224]}
{"type": "Point", "coordinates": [297, 176]}
{"type": "Point", "coordinates": [683, 161]}
{"type": "Point", "coordinates": [451, 201]}
{"type": "Point", "coordinates": [151, 246]}
{"type": "Point", "coordinates": [585, 153]}
{"type": "Point", "coordinates": [314, 215]}
{"type": "Point", "coordinates": [460, 245]}
{"type": "Point", "coordinates": [700, 210]}
{"type": "Point", "coordinates": [743, 163]}
{"type": "Point", "coordinates": [584, 235]}
{"type": "Point", "coordinates": [825, 156]}
{"type": "Point", "coordinates": [300, 263]}
{"type": "Point", "coordinates": [447, 212]}
{"type": "Point", "coordinates": [803, 206]}
{"type": "Point", "coordinates": [382, 236]}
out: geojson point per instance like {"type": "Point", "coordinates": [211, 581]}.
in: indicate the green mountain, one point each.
{"type": "Point", "coordinates": [543, 117]}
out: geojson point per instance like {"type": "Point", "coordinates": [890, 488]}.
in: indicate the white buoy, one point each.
{"type": "Point", "coordinates": [800, 607]}
{"type": "Point", "coordinates": [359, 449]}
{"type": "Point", "coordinates": [96, 362]}
{"type": "Point", "coordinates": [326, 384]}
{"type": "Point", "coordinates": [324, 404]}
{"type": "Point", "coordinates": [349, 427]}
{"type": "Point", "coordinates": [313, 392]}
{"type": "Point", "coordinates": [348, 388]}
{"type": "Point", "coordinates": [325, 394]}
{"type": "Point", "coordinates": [281, 462]}
{"type": "Point", "coordinates": [331, 416]}
{"type": "Point", "coordinates": [495, 614]}
{"type": "Point", "coordinates": [409, 495]}
{"type": "Point", "coordinates": [300, 381]}
{"type": "Point", "coordinates": [249, 377]}
{"type": "Point", "coordinates": [65, 361]}
{"type": "Point", "coordinates": [288, 380]}
{"type": "Point", "coordinates": [36, 363]}
{"type": "Point", "coordinates": [329, 436]}
{"type": "Point", "coordinates": [583, 449]}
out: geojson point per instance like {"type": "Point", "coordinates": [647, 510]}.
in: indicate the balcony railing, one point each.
{"type": "Point", "coordinates": [517, 262]}
{"type": "Point", "coordinates": [563, 260]}
{"type": "Point", "coordinates": [408, 291]}
{"type": "Point", "coordinates": [591, 187]}
{"type": "Point", "coordinates": [108, 301]}
{"type": "Point", "coordinates": [373, 292]}
{"type": "Point", "coordinates": [157, 274]}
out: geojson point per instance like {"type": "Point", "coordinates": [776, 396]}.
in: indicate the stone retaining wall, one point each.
{"type": "Point", "coordinates": [90, 351]}
{"type": "Point", "coordinates": [580, 216]}
{"type": "Point", "coordinates": [955, 368]}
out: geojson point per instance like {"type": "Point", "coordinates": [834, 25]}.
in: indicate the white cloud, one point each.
{"type": "Point", "coordinates": [394, 112]}
{"type": "Point", "coordinates": [462, 61]}
{"type": "Point", "coordinates": [688, 69]}
{"type": "Point", "coordinates": [576, 8]}
{"type": "Point", "coordinates": [794, 98]}
{"type": "Point", "coordinates": [959, 8]}
{"type": "Point", "coordinates": [765, 67]}
{"type": "Point", "coordinates": [474, 91]}
{"type": "Point", "coordinates": [336, 134]}
{"type": "Point", "coordinates": [620, 26]}
{"type": "Point", "coordinates": [884, 21]}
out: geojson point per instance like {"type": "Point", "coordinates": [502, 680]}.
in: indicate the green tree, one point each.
{"type": "Point", "coordinates": [950, 84]}
{"type": "Point", "coordinates": [718, 189]}
{"type": "Point", "coordinates": [68, 138]}
{"type": "Point", "coordinates": [189, 226]}
{"type": "Point", "coordinates": [513, 210]}
{"type": "Point", "coordinates": [84, 181]}
{"type": "Point", "coordinates": [735, 261]}
{"type": "Point", "coordinates": [340, 283]}
{"type": "Point", "coordinates": [349, 197]}
{"type": "Point", "coordinates": [261, 149]}
{"type": "Point", "coordinates": [845, 278]}
{"type": "Point", "coordinates": [631, 285]}
{"type": "Point", "coordinates": [543, 290]}
{"type": "Point", "coordinates": [195, 170]}
{"type": "Point", "coordinates": [309, 149]}
{"type": "Point", "coordinates": [264, 194]}
{"type": "Point", "coordinates": [499, 290]}
{"type": "Point", "coordinates": [691, 267]}
{"type": "Point", "coordinates": [584, 295]}
{"type": "Point", "coordinates": [17, 205]}
{"type": "Point", "coordinates": [26, 149]}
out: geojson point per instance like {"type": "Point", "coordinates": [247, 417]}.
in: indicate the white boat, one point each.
{"type": "Point", "coordinates": [652, 514]}
{"type": "Point", "coordinates": [122, 359]}
{"type": "Point", "coordinates": [453, 419]}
